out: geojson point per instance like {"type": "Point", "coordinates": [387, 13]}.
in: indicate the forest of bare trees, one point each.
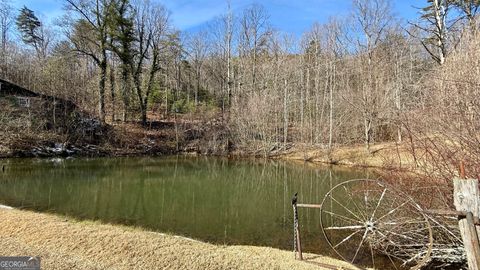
{"type": "Point", "coordinates": [367, 79]}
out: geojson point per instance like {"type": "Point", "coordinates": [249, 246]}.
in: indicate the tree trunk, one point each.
{"type": "Point", "coordinates": [112, 90]}
{"type": "Point", "coordinates": [440, 24]}
{"type": "Point", "coordinates": [229, 54]}
{"type": "Point", "coordinates": [125, 92]}
{"type": "Point", "coordinates": [144, 116]}
{"type": "Point", "coordinates": [332, 84]}
{"type": "Point", "coordinates": [101, 86]}
{"type": "Point", "coordinates": [197, 89]}
{"type": "Point", "coordinates": [285, 115]}
{"type": "Point", "coordinates": [368, 127]}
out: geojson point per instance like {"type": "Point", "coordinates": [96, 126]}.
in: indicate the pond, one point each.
{"type": "Point", "coordinates": [245, 202]}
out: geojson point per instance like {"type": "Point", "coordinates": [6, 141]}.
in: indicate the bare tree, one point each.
{"type": "Point", "coordinates": [88, 32]}
{"type": "Point", "coordinates": [374, 18]}
{"type": "Point", "coordinates": [47, 38]}
{"type": "Point", "coordinates": [6, 22]}
{"type": "Point", "coordinates": [222, 39]}
{"type": "Point", "coordinates": [468, 10]}
{"type": "Point", "coordinates": [228, 41]}
{"type": "Point", "coordinates": [333, 52]}
{"type": "Point", "coordinates": [197, 50]}
{"type": "Point", "coordinates": [151, 29]}
{"type": "Point", "coordinates": [254, 38]}
{"type": "Point", "coordinates": [435, 26]}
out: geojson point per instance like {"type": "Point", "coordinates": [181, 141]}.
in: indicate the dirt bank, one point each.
{"type": "Point", "coordinates": [382, 155]}
{"type": "Point", "coordinates": [64, 243]}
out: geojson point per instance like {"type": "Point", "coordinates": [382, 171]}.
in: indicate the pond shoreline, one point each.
{"type": "Point", "coordinates": [388, 156]}
{"type": "Point", "coordinates": [65, 243]}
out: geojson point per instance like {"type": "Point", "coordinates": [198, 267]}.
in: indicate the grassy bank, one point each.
{"type": "Point", "coordinates": [63, 243]}
{"type": "Point", "coordinates": [381, 155]}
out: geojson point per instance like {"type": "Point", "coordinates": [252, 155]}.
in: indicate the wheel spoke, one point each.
{"type": "Point", "coordinates": [355, 204]}
{"type": "Point", "coordinates": [373, 257]}
{"type": "Point", "coordinates": [392, 211]}
{"type": "Point", "coordinates": [412, 231]}
{"type": "Point", "coordinates": [345, 228]}
{"type": "Point", "coordinates": [360, 245]}
{"type": "Point", "coordinates": [348, 210]}
{"type": "Point", "coordinates": [400, 235]}
{"type": "Point", "coordinates": [347, 238]}
{"type": "Point", "coordinates": [343, 217]}
{"type": "Point", "coordinates": [393, 263]}
{"type": "Point", "coordinates": [379, 240]}
{"type": "Point", "coordinates": [378, 204]}
{"type": "Point", "coordinates": [406, 222]}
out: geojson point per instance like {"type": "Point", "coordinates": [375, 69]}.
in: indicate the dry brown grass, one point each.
{"type": "Point", "coordinates": [69, 244]}
{"type": "Point", "coordinates": [382, 155]}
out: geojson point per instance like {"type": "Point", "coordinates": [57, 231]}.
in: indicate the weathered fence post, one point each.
{"type": "Point", "coordinates": [297, 244]}
{"type": "Point", "coordinates": [467, 199]}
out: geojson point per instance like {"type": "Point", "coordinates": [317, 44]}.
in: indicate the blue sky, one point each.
{"type": "Point", "coordinates": [293, 16]}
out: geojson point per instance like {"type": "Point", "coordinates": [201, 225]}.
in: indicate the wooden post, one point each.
{"type": "Point", "coordinates": [467, 199]}
{"type": "Point", "coordinates": [299, 245]}
{"type": "Point", "coordinates": [296, 232]}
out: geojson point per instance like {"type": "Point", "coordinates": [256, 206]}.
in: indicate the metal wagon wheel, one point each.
{"type": "Point", "coordinates": [368, 223]}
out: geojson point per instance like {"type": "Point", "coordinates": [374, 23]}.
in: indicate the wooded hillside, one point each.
{"type": "Point", "coordinates": [371, 77]}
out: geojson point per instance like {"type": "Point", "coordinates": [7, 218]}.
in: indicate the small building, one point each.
{"type": "Point", "coordinates": [31, 109]}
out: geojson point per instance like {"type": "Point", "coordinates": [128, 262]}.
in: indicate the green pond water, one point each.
{"type": "Point", "coordinates": [216, 200]}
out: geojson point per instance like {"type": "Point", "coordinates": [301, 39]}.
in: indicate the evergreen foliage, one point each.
{"type": "Point", "coordinates": [29, 27]}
